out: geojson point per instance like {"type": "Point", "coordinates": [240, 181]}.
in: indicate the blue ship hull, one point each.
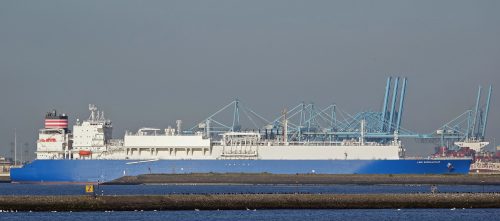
{"type": "Point", "coordinates": [94, 171]}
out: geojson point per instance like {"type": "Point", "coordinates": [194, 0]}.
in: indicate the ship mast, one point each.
{"type": "Point", "coordinates": [285, 127]}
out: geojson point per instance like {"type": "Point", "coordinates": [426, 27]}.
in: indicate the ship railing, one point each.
{"type": "Point", "coordinates": [318, 143]}
{"type": "Point", "coordinates": [115, 142]}
{"type": "Point", "coordinates": [432, 158]}
{"type": "Point", "coordinates": [238, 156]}
{"type": "Point", "coordinates": [132, 134]}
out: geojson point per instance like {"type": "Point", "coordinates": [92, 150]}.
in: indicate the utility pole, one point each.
{"type": "Point", "coordinates": [23, 151]}
{"type": "Point", "coordinates": [21, 159]}
{"type": "Point", "coordinates": [26, 147]}
{"type": "Point", "coordinates": [12, 150]}
{"type": "Point", "coordinates": [15, 147]}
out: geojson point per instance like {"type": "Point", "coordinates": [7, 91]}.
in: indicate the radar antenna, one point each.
{"type": "Point", "coordinates": [93, 109]}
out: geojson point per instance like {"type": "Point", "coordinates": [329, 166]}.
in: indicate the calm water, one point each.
{"type": "Point", "coordinates": [288, 215]}
{"type": "Point", "coordinates": [30, 189]}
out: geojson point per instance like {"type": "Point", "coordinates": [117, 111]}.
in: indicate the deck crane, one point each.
{"type": "Point", "coordinates": [476, 124]}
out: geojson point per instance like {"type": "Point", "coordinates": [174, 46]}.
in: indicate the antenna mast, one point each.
{"type": "Point", "coordinates": [15, 147]}
{"type": "Point", "coordinates": [285, 127]}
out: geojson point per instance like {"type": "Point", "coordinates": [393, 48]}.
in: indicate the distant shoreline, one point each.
{"type": "Point", "coordinates": [4, 178]}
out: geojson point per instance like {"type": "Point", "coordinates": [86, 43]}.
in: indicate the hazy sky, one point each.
{"type": "Point", "coordinates": [148, 63]}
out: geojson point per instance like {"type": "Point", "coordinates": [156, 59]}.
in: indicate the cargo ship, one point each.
{"type": "Point", "coordinates": [483, 161]}
{"type": "Point", "coordinates": [89, 154]}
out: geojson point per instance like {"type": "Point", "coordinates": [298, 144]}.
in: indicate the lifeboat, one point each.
{"type": "Point", "coordinates": [85, 152]}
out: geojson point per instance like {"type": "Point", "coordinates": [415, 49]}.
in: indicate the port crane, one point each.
{"type": "Point", "coordinates": [307, 122]}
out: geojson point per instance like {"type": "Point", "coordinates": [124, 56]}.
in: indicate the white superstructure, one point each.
{"type": "Point", "coordinates": [54, 140]}
{"type": "Point", "coordinates": [92, 135]}
{"type": "Point", "coordinates": [91, 139]}
{"type": "Point", "coordinates": [52, 144]}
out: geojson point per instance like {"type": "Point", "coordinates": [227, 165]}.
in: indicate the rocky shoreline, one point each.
{"type": "Point", "coordinates": [247, 201]}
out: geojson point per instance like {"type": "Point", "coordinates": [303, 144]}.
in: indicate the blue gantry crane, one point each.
{"type": "Point", "coordinates": [307, 122]}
